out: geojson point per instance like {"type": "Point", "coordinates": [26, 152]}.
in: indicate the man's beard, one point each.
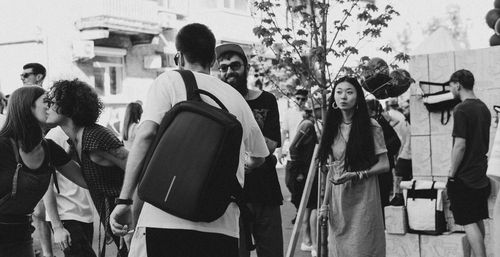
{"type": "Point", "coordinates": [239, 83]}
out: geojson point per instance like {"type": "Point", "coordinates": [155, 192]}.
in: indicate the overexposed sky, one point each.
{"type": "Point", "coordinates": [418, 13]}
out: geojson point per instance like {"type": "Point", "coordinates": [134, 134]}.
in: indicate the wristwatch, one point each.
{"type": "Point", "coordinates": [123, 201]}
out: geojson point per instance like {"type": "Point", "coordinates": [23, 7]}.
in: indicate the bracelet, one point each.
{"type": "Point", "coordinates": [360, 175]}
{"type": "Point", "coordinates": [123, 201]}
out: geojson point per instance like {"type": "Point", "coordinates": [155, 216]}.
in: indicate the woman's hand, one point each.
{"type": "Point", "coordinates": [323, 212]}
{"type": "Point", "coordinates": [346, 176]}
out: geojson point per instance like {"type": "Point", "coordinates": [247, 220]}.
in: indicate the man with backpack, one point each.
{"type": "Point", "coordinates": [262, 192]}
{"type": "Point", "coordinates": [159, 233]}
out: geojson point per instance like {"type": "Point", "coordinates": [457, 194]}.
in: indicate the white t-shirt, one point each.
{"type": "Point", "coordinates": [73, 201]}
{"type": "Point", "coordinates": [400, 118]}
{"type": "Point", "coordinates": [2, 120]}
{"type": "Point", "coordinates": [167, 90]}
{"type": "Point", "coordinates": [293, 116]}
{"type": "Point", "coordinates": [405, 137]}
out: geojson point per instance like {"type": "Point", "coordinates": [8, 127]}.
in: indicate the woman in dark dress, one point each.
{"type": "Point", "coordinates": [75, 107]}
{"type": "Point", "coordinates": [26, 167]}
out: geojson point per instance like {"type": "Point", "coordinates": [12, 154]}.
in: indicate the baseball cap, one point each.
{"type": "Point", "coordinates": [464, 77]}
{"type": "Point", "coordinates": [223, 48]}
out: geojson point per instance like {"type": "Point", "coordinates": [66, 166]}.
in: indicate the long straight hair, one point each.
{"type": "Point", "coordinates": [21, 125]}
{"type": "Point", "coordinates": [360, 152]}
{"type": "Point", "coordinates": [133, 114]}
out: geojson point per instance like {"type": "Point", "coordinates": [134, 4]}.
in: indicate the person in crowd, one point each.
{"type": "Point", "coordinates": [358, 154]}
{"type": "Point", "coordinates": [133, 114]}
{"type": "Point", "coordinates": [262, 191]}
{"type": "Point", "coordinates": [75, 107]}
{"type": "Point", "coordinates": [393, 144]}
{"type": "Point", "coordinates": [468, 186]}
{"type": "Point", "coordinates": [33, 74]}
{"type": "Point", "coordinates": [69, 210]}
{"type": "Point", "coordinates": [301, 153]}
{"type": "Point", "coordinates": [290, 123]}
{"type": "Point", "coordinates": [403, 171]}
{"type": "Point", "coordinates": [159, 233]}
{"type": "Point", "coordinates": [3, 106]}
{"type": "Point", "coordinates": [27, 165]}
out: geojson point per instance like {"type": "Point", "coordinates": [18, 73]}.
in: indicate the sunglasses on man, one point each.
{"type": "Point", "coordinates": [26, 75]}
{"type": "Point", "coordinates": [234, 66]}
{"type": "Point", "coordinates": [301, 99]}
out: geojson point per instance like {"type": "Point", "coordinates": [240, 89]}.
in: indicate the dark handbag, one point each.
{"type": "Point", "coordinates": [442, 101]}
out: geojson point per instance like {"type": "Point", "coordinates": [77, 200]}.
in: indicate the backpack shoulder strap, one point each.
{"type": "Point", "coordinates": [190, 84]}
{"type": "Point", "coordinates": [192, 90]}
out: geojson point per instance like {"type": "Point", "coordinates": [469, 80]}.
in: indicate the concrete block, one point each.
{"type": "Point", "coordinates": [441, 66]}
{"type": "Point", "coordinates": [490, 64]}
{"type": "Point", "coordinates": [421, 156]}
{"type": "Point", "coordinates": [472, 60]}
{"type": "Point", "coordinates": [419, 118]}
{"type": "Point", "coordinates": [419, 69]}
{"type": "Point", "coordinates": [396, 221]}
{"type": "Point", "coordinates": [446, 245]}
{"type": "Point", "coordinates": [407, 245]}
{"type": "Point", "coordinates": [441, 146]}
{"type": "Point", "coordinates": [437, 127]}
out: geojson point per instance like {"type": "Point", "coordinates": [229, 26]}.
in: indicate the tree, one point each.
{"type": "Point", "coordinates": [318, 37]}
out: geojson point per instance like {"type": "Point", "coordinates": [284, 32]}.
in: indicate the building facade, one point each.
{"type": "Point", "coordinates": [117, 46]}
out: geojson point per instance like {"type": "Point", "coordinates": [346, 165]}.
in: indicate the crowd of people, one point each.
{"type": "Point", "coordinates": [57, 162]}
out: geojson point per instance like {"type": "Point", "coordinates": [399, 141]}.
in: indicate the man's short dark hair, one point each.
{"type": "Point", "coordinates": [36, 67]}
{"type": "Point", "coordinates": [302, 92]}
{"type": "Point", "coordinates": [464, 77]}
{"type": "Point", "coordinates": [197, 43]}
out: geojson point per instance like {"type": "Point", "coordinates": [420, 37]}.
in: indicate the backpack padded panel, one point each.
{"type": "Point", "coordinates": [190, 169]}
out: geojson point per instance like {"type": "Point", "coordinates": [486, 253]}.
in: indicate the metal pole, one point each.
{"type": "Point", "coordinates": [303, 202]}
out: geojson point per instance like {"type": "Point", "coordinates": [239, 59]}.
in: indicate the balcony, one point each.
{"type": "Point", "coordinates": [121, 16]}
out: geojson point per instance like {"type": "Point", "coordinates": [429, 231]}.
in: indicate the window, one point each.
{"type": "Point", "coordinates": [237, 5]}
{"type": "Point", "coordinates": [108, 75]}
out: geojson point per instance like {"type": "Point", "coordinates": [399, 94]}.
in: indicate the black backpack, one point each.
{"type": "Point", "coordinates": [190, 168]}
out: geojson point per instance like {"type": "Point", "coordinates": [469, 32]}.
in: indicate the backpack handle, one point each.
{"type": "Point", "coordinates": [192, 90]}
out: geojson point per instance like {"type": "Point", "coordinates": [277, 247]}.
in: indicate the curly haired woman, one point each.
{"type": "Point", "coordinates": [75, 107]}
{"type": "Point", "coordinates": [357, 149]}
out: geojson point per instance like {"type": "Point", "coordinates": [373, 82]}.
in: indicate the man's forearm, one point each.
{"type": "Point", "coordinates": [134, 164]}
{"type": "Point", "coordinates": [457, 155]}
{"type": "Point", "coordinates": [49, 199]}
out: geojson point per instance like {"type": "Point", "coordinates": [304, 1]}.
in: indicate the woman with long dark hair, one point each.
{"type": "Point", "coordinates": [355, 146]}
{"type": "Point", "coordinates": [75, 107]}
{"type": "Point", "coordinates": [133, 114]}
{"type": "Point", "coordinates": [26, 167]}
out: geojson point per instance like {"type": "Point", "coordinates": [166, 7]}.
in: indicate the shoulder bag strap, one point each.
{"type": "Point", "coordinates": [49, 163]}
{"type": "Point", "coordinates": [16, 173]}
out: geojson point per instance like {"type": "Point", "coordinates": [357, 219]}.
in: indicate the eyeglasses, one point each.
{"type": "Point", "coordinates": [176, 58]}
{"type": "Point", "coordinates": [49, 102]}
{"type": "Point", "coordinates": [301, 98]}
{"type": "Point", "coordinates": [234, 66]}
{"type": "Point", "coordinates": [27, 74]}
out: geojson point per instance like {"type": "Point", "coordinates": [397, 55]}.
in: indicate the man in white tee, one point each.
{"type": "Point", "coordinates": [157, 232]}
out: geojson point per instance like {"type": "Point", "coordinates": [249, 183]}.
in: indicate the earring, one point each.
{"type": "Point", "coordinates": [334, 105]}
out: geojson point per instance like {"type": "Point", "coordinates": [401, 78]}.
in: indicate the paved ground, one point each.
{"type": "Point", "coordinates": [288, 212]}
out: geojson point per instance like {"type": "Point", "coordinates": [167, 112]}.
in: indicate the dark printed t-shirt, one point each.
{"type": "Point", "coordinates": [31, 184]}
{"type": "Point", "coordinates": [262, 185]}
{"type": "Point", "coordinates": [472, 121]}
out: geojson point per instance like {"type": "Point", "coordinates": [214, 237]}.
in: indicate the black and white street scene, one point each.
{"type": "Point", "coordinates": [249, 128]}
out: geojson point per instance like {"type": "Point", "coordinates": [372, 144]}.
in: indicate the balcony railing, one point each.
{"type": "Point", "coordinates": [128, 16]}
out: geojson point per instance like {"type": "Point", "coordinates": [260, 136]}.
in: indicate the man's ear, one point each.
{"type": "Point", "coordinates": [39, 77]}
